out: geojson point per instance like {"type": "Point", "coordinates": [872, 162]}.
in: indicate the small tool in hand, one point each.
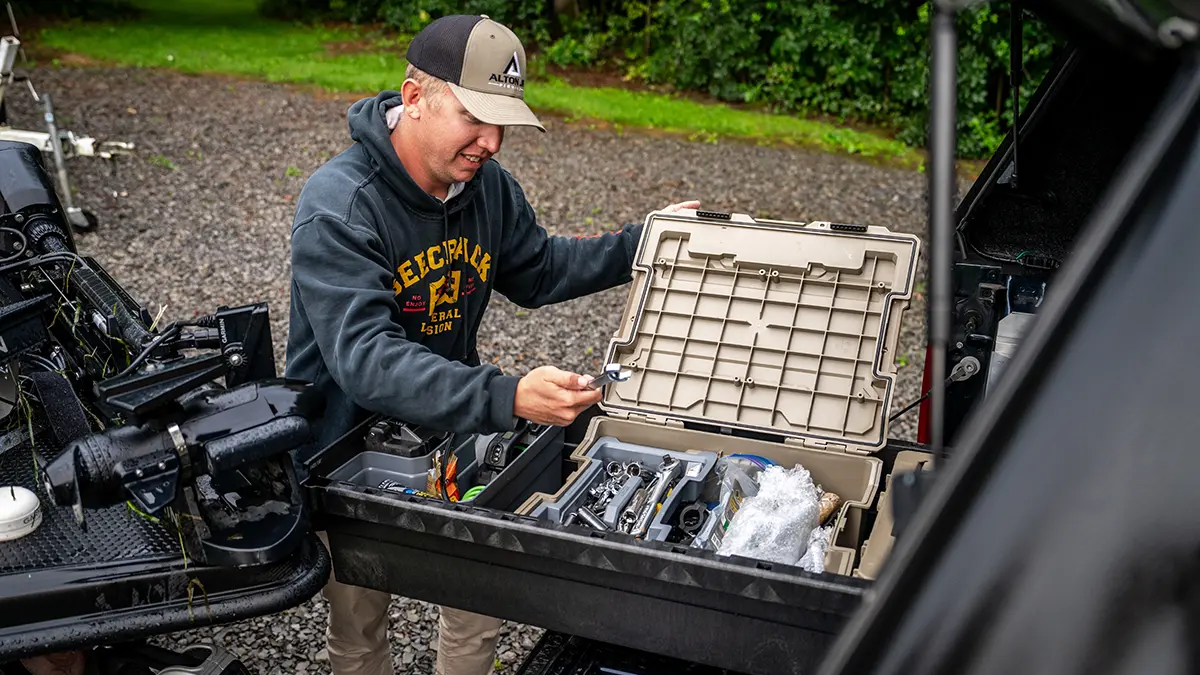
{"type": "Point", "coordinates": [612, 373]}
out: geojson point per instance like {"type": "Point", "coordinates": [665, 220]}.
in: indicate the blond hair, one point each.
{"type": "Point", "coordinates": [432, 87]}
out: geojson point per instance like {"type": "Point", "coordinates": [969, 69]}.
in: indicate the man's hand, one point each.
{"type": "Point", "coordinates": [693, 204]}
{"type": "Point", "coordinates": [551, 396]}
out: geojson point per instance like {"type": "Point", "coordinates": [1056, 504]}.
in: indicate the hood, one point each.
{"type": "Point", "coordinates": [368, 125]}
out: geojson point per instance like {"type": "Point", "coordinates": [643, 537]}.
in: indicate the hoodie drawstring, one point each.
{"type": "Point", "coordinates": [450, 276]}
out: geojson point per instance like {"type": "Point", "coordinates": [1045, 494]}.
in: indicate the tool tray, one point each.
{"type": "Point", "coordinates": [610, 452]}
{"type": "Point", "coordinates": [743, 336]}
{"type": "Point", "coordinates": [402, 469]}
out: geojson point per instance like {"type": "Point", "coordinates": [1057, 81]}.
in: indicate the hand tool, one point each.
{"type": "Point", "coordinates": [589, 517]}
{"type": "Point", "coordinates": [691, 517]}
{"type": "Point", "coordinates": [666, 475]}
{"type": "Point", "coordinates": [612, 374]}
{"type": "Point", "coordinates": [612, 512]}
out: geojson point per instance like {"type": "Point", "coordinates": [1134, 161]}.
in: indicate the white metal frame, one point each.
{"type": "Point", "coordinates": [56, 144]}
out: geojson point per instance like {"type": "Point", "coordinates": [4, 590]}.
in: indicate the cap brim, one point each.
{"type": "Point", "coordinates": [496, 109]}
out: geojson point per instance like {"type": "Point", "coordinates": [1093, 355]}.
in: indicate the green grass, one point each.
{"type": "Point", "coordinates": [227, 37]}
{"type": "Point", "coordinates": [709, 121]}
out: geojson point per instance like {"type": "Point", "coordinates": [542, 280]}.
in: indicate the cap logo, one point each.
{"type": "Point", "coordinates": [514, 67]}
{"type": "Point", "coordinates": [511, 77]}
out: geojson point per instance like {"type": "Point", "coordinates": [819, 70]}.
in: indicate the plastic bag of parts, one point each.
{"type": "Point", "coordinates": [777, 523]}
{"type": "Point", "coordinates": [731, 483]}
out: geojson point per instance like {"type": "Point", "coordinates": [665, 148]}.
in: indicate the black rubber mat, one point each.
{"type": "Point", "coordinates": [114, 534]}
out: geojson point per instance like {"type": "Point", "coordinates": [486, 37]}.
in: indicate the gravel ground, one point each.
{"type": "Point", "coordinates": [200, 217]}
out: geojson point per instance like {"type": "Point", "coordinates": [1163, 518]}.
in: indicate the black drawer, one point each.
{"type": "Point", "coordinates": [727, 612]}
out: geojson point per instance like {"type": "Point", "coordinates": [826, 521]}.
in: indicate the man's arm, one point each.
{"type": "Point", "coordinates": [537, 269]}
{"type": "Point", "coordinates": [345, 282]}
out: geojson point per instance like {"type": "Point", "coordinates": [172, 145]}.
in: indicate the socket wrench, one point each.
{"type": "Point", "coordinates": [612, 374]}
{"type": "Point", "coordinates": [588, 516]}
{"type": "Point", "coordinates": [612, 512]}
{"type": "Point", "coordinates": [667, 473]}
{"type": "Point", "coordinates": [630, 514]}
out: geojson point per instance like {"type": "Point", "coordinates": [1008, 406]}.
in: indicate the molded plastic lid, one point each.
{"type": "Point", "coordinates": [784, 328]}
{"type": "Point", "coordinates": [20, 512]}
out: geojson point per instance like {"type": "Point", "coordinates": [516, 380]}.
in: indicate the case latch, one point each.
{"type": "Point", "coordinates": [830, 446]}
{"type": "Point", "coordinates": [658, 420]}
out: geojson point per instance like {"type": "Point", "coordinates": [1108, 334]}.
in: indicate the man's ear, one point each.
{"type": "Point", "coordinates": [413, 97]}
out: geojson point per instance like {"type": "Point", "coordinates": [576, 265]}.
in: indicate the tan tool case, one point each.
{"type": "Point", "coordinates": [756, 328]}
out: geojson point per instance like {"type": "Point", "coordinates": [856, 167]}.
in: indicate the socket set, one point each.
{"type": "Point", "coordinates": [630, 489]}
{"type": "Point", "coordinates": [625, 499]}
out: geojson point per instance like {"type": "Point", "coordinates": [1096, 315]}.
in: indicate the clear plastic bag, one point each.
{"type": "Point", "coordinates": [735, 480]}
{"type": "Point", "coordinates": [777, 522]}
{"type": "Point", "coordinates": [813, 560]}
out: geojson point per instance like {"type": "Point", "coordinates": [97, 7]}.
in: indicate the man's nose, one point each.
{"type": "Point", "coordinates": [491, 137]}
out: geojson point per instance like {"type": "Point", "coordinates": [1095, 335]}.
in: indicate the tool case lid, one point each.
{"type": "Point", "coordinates": [764, 326]}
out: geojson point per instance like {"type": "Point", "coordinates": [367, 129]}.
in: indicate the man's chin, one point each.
{"type": "Point", "coordinates": [464, 175]}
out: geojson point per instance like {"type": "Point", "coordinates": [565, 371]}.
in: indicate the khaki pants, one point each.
{"type": "Point", "coordinates": [357, 638]}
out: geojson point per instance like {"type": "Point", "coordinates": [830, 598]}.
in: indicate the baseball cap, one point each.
{"type": "Point", "coordinates": [482, 61]}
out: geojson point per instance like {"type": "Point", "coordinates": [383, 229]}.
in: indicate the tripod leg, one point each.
{"type": "Point", "coordinates": [80, 220]}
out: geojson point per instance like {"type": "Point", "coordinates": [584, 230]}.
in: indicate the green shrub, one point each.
{"type": "Point", "coordinates": [854, 60]}
{"type": "Point", "coordinates": [299, 10]}
{"type": "Point", "coordinates": [74, 9]}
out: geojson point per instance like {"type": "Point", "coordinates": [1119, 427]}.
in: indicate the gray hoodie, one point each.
{"type": "Point", "coordinates": [389, 284]}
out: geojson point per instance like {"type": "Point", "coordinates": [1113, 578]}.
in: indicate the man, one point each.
{"type": "Point", "coordinates": [397, 245]}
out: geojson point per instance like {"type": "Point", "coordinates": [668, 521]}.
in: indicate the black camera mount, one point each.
{"type": "Point", "coordinates": [135, 418]}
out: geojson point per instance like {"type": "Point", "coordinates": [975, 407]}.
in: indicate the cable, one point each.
{"type": "Point", "coordinates": [1016, 260]}
{"type": "Point", "coordinates": [96, 290]}
{"type": "Point", "coordinates": [965, 369]}
{"type": "Point", "coordinates": [171, 330]}
{"type": "Point", "coordinates": [914, 404]}
{"type": "Point", "coordinates": [917, 402]}
{"type": "Point", "coordinates": [41, 361]}
{"type": "Point", "coordinates": [49, 258]}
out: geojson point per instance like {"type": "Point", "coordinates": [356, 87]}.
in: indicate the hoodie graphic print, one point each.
{"type": "Point", "coordinates": [437, 300]}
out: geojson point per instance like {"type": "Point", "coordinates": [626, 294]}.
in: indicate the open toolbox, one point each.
{"type": "Point", "coordinates": [758, 351]}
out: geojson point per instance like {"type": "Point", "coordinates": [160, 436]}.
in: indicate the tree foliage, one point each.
{"type": "Point", "coordinates": [853, 60]}
{"type": "Point", "coordinates": [73, 9]}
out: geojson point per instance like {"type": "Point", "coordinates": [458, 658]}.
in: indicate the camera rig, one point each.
{"type": "Point", "coordinates": [187, 422]}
